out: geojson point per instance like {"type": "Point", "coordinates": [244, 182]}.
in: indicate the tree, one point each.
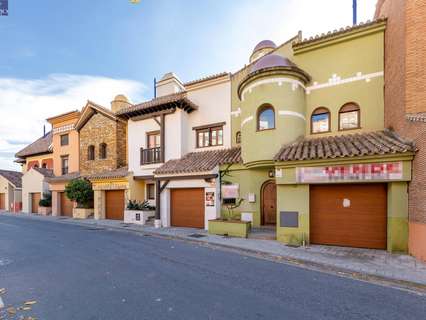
{"type": "Point", "coordinates": [80, 191]}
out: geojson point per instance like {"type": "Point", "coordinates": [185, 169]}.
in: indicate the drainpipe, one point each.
{"type": "Point", "coordinates": [157, 222]}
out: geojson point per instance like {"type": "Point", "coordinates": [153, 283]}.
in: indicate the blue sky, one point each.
{"type": "Point", "coordinates": [57, 54]}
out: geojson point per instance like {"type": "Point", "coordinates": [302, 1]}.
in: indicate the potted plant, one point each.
{"type": "Point", "coordinates": [45, 204]}
{"type": "Point", "coordinates": [80, 191]}
{"type": "Point", "coordinates": [138, 212]}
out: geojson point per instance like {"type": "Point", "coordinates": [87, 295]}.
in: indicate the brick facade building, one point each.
{"type": "Point", "coordinates": [405, 99]}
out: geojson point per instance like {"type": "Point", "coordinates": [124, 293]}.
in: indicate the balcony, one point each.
{"type": "Point", "coordinates": [150, 155]}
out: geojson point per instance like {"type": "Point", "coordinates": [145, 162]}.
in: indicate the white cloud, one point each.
{"type": "Point", "coordinates": [25, 104]}
{"type": "Point", "coordinates": [279, 20]}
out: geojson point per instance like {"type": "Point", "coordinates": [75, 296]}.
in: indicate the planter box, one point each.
{"type": "Point", "coordinates": [45, 211]}
{"type": "Point", "coordinates": [138, 217]}
{"type": "Point", "coordinates": [229, 228]}
{"type": "Point", "coordinates": [82, 213]}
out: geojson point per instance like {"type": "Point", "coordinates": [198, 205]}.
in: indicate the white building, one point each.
{"type": "Point", "coordinates": [176, 143]}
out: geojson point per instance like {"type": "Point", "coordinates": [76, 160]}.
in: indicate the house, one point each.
{"type": "Point", "coordinates": [405, 96]}
{"type": "Point", "coordinates": [176, 143]}
{"type": "Point", "coordinates": [37, 165]}
{"type": "Point", "coordinates": [10, 191]}
{"type": "Point", "coordinates": [103, 158]}
{"type": "Point", "coordinates": [318, 164]}
{"type": "Point", "coordinates": [66, 149]}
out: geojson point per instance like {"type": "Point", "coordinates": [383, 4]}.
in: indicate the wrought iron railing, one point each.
{"type": "Point", "coordinates": [150, 155]}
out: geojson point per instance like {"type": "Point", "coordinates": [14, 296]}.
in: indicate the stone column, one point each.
{"type": "Point", "coordinates": [56, 204]}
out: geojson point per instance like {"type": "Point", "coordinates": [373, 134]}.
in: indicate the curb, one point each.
{"type": "Point", "coordinates": [298, 262]}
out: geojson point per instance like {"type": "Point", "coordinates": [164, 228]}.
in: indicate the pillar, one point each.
{"type": "Point", "coordinates": [397, 217]}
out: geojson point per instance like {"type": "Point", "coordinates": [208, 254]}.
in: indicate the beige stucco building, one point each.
{"type": "Point", "coordinates": [10, 190]}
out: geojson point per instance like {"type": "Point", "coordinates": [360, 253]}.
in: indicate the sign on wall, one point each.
{"type": "Point", "coordinates": [210, 199]}
{"type": "Point", "coordinates": [230, 191]}
{"type": "Point", "coordinates": [352, 172]}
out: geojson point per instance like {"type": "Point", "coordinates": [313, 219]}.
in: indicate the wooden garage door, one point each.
{"type": "Point", "coordinates": [35, 199]}
{"type": "Point", "coordinates": [2, 201]}
{"type": "Point", "coordinates": [114, 204]}
{"type": "Point", "coordinates": [187, 208]}
{"type": "Point", "coordinates": [349, 215]}
{"type": "Point", "coordinates": [66, 205]}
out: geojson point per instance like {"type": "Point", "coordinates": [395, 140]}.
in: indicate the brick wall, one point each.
{"type": "Point", "coordinates": [101, 129]}
{"type": "Point", "coordinates": [405, 81]}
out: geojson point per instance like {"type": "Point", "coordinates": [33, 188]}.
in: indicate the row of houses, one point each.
{"type": "Point", "coordinates": [298, 139]}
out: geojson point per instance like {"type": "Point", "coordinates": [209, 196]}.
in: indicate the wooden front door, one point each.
{"type": "Point", "coordinates": [269, 203]}
{"type": "Point", "coordinates": [352, 215]}
{"type": "Point", "coordinates": [187, 208]}
{"type": "Point", "coordinates": [114, 204]}
{"type": "Point", "coordinates": [2, 201]}
{"type": "Point", "coordinates": [66, 205]}
{"type": "Point", "coordinates": [35, 199]}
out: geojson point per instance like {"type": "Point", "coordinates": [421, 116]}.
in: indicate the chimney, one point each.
{"type": "Point", "coordinates": [119, 102]}
{"type": "Point", "coordinates": [354, 12]}
{"type": "Point", "coordinates": [168, 84]}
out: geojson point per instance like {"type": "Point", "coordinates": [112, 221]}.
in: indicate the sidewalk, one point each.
{"type": "Point", "coordinates": [359, 263]}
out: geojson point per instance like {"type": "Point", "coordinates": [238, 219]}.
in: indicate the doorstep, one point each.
{"type": "Point", "coordinates": [363, 262]}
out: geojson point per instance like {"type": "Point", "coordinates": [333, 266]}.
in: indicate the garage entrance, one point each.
{"type": "Point", "coordinates": [353, 215]}
{"type": "Point", "coordinates": [2, 201]}
{"type": "Point", "coordinates": [187, 207]}
{"type": "Point", "coordinates": [35, 199]}
{"type": "Point", "coordinates": [114, 204]}
{"type": "Point", "coordinates": [66, 205]}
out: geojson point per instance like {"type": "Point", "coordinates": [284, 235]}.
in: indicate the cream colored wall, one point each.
{"type": "Point", "coordinates": [5, 188]}
{"type": "Point", "coordinates": [32, 182]}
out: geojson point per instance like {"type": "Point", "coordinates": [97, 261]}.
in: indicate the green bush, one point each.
{"type": "Point", "coordinates": [140, 206]}
{"type": "Point", "coordinates": [80, 191]}
{"type": "Point", "coordinates": [46, 202]}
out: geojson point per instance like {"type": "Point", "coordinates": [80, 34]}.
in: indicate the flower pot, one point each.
{"type": "Point", "coordinates": [45, 211]}
{"type": "Point", "coordinates": [82, 213]}
{"type": "Point", "coordinates": [138, 216]}
{"type": "Point", "coordinates": [233, 228]}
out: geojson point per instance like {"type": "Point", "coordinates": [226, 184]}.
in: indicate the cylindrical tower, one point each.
{"type": "Point", "coordinates": [272, 107]}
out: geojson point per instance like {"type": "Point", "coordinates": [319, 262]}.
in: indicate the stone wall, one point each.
{"type": "Point", "coordinates": [101, 129]}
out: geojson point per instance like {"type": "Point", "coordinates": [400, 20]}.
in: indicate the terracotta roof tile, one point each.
{"type": "Point", "coordinates": [349, 145]}
{"type": "Point", "coordinates": [201, 161]}
{"type": "Point", "coordinates": [170, 101]}
{"type": "Point", "coordinates": [48, 173]}
{"type": "Point", "coordinates": [41, 145]}
{"type": "Point", "coordinates": [207, 78]}
{"type": "Point", "coordinates": [109, 174]}
{"type": "Point", "coordinates": [65, 177]}
{"type": "Point", "coordinates": [336, 32]}
{"type": "Point", "coordinates": [13, 177]}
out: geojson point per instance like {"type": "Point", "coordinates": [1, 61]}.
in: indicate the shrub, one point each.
{"type": "Point", "coordinates": [140, 206]}
{"type": "Point", "coordinates": [80, 191]}
{"type": "Point", "coordinates": [46, 202]}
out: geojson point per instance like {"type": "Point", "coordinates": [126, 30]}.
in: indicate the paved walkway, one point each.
{"type": "Point", "coordinates": [358, 262]}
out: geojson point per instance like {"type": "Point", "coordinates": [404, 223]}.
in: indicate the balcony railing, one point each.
{"type": "Point", "coordinates": [150, 155]}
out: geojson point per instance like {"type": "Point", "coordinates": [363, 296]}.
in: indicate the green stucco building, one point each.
{"type": "Point", "coordinates": [318, 165]}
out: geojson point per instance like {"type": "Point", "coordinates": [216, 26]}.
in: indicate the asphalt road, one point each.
{"type": "Point", "coordinates": [75, 272]}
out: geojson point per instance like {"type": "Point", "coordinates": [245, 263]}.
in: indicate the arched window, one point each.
{"type": "Point", "coordinates": [102, 151]}
{"type": "Point", "coordinates": [265, 118]}
{"type": "Point", "coordinates": [349, 116]}
{"type": "Point", "coordinates": [91, 153]}
{"type": "Point", "coordinates": [238, 137]}
{"type": "Point", "coordinates": [320, 120]}
{"type": "Point", "coordinates": [44, 165]}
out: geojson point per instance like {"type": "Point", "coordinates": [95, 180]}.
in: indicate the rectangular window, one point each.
{"type": "Point", "coordinates": [150, 191]}
{"type": "Point", "coordinates": [64, 140]}
{"type": "Point", "coordinates": [320, 122]}
{"type": "Point", "coordinates": [153, 140]}
{"type": "Point", "coordinates": [209, 137]}
{"type": "Point", "coordinates": [64, 164]}
{"type": "Point", "coordinates": [349, 120]}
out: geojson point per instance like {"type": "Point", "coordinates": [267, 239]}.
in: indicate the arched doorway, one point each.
{"type": "Point", "coordinates": [269, 203]}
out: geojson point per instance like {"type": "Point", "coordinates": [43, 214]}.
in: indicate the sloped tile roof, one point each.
{"type": "Point", "coordinates": [175, 100]}
{"type": "Point", "coordinates": [206, 78]}
{"type": "Point", "coordinates": [202, 161]}
{"type": "Point", "coordinates": [48, 173]}
{"type": "Point", "coordinates": [109, 174]}
{"type": "Point", "coordinates": [349, 145]}
{"type": "Point", "coordinates": [39, 146]}
{"type": "Point", "coordinates": [65, 177]}
{"type": "Point", "coordinates": [13, 177]}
